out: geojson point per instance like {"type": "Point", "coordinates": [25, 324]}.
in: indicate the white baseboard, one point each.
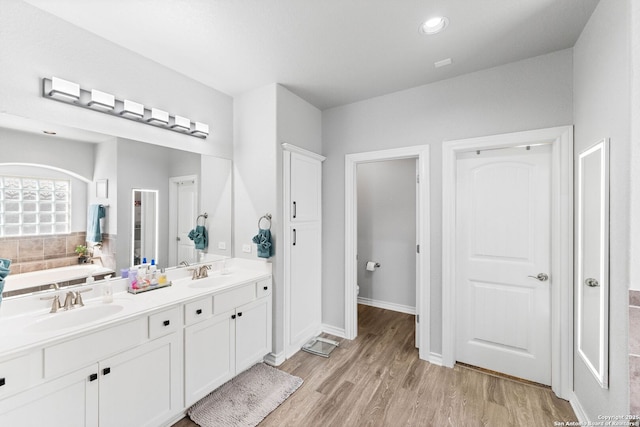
{"type": "Point", "coordinates": [332, 330]}
{"type": "Point", "coordinates": [435, 359]}
{"type": "Point", "coordinates": [274, 359]}
{"type": "Point", "coordinates": [387, 305]}
{"type": "Point", "coordinates": [578, 409]}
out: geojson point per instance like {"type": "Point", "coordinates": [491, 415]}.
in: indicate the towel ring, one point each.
{"type": "Point", "coordinates": [204, 215]}
{"type": "Point", "coordinates": [268, 218]}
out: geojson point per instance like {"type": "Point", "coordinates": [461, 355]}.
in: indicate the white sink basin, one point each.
{"type": "Point", "coordinates": [75, 317]}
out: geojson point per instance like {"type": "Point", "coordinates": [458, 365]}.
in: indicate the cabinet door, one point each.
{"type": "Point", "coordinates": [306, 188]}
{"type": "Point", "coordinates": [304, 283]}
{"type": "Point", "coordinates": [71, 400]}
{"type": "Point", "coordinates": [142, 387]}
{"type": "Point", "coordinates": [253, 333]}
{"type": "Point", "coordinates": [209, 355]}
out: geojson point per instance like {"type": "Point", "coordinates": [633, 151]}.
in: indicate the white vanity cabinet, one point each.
{"type": "Point", "coordinates": [141, 386]}
{"type": "Point", "coordinates": [145, 369]}
{"type": "Point", "coordinates": [71, 400]}
{"type": "Point", "coordinates": [236, 336]}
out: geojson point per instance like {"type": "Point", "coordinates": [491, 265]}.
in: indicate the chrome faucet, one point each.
{"type": "Point", "coordinates": [55, 304]}
{"type": "Point", "coordinates": [69, 300]}
{"type": "Point", "coordinates": [183, 264]}
{"type": "Point", "coordinates": [200, 272]}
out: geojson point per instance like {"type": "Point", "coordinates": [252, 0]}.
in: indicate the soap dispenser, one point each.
{"type": "Point", "coordinates": [107, 290]}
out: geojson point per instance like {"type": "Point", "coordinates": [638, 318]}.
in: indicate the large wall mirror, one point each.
{"type": "Point", "coordinates": [120, 166]}
{"type": "Point", "coordinates": [592, 278]}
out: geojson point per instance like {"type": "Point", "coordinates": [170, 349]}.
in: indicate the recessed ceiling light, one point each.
{"type": "Point", "coordinates": [434, 25]}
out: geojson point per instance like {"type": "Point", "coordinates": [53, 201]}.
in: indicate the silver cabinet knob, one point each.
{"type": "Point", "coordinates": [541, 277]}
{"type": "Point", "coordinates": [592, 283]}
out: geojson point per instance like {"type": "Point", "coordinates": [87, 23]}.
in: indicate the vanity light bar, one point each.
{"type": "Point", "coordinates": [101, 99]}
{"type": "Point", "coordinates": [64, 88]}
{"type": "Point", "coordinates": [132, 109]}
{"type": "Point", "coordinates": [159, 116]}
{"type": "Point", "coordinates": [181, 123]}
{"type": "Point", "coordinates": [68, 92]}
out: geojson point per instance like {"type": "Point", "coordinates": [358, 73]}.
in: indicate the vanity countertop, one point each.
{"type": "Point", "coordinates": [23, 319]}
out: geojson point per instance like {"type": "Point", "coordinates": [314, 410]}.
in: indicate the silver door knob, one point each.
{"type": "Point", "coordinates": [592, 283]}
{"type": "Point", "coordinates": [542, 277]}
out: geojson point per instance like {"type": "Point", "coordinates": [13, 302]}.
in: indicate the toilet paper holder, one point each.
{"type": "Point", "coordinates": [370, 265]}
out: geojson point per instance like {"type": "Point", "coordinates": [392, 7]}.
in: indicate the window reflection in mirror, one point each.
{"type": "Point", "coordinates": [144, 234]}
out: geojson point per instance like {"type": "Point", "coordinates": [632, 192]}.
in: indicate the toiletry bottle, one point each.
{"type": "Point", "coordinates": [133, 278]}
{"type": "Point", "coordinates": [162, 280]}
{"type": "Point", "coordinates": [107, 290]}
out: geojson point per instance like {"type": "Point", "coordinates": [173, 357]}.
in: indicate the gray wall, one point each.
{"type": "Point", "coordinates": [387, 231]}
{"type": "Point", "coordinates": [530, 94]}
{"type": "Point", "coordinates": [601, 109]}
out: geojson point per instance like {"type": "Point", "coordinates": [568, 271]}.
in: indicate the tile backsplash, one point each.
{"type": "Point", "coordinates": [35, 253]}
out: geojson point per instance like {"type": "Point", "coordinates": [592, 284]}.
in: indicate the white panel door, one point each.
{"type": "Point", "coordinates": [143, 386]}
{"type": "Point", "coordinates": [306, 178]}
{"type": "Point", "coordinates": [306, 293]}
{"type": "Point", "coordinates": [187, 213]}
{"type": "Point", "coordinates": [209, 355]}
{"type": "Point", "coordinates": [253, 333]}
{"type": "Point", "coordinates": [503, 242]}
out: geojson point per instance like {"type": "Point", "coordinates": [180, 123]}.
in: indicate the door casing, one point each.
{"type": "Point", "coordinates": [561, 139]}
{"type": "Point", "coordinates": [423, 278]}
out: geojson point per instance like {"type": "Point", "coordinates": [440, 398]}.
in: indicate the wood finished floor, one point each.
{"type": "Point", "coordinates": [378, 380]}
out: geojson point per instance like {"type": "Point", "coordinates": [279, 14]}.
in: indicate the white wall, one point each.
{"type": "Point", "coordinates": [387, 231]}
{"type": "Point", "coordinates": [35, 44]}
{"type": "Point", "coordinates": [601, 109]}
{"type": "Point", "coordinates": [263, 119]}
{"type": "Point", "coordinates": [530, 94]}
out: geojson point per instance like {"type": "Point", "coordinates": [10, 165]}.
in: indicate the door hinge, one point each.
{"type": "Point", "coordinates": [418, 248]}
{"type": "Point", "coordinates": [417, 179]}
{"type": "Point", "coordinates": [417, 318]}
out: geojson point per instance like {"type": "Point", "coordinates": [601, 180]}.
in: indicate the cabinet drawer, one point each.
{"type": "Point", "coordinates": [165, 322]}
{"type": "Point", "coordinates": [199, 310]}
{"type": "Point", "coordinates": [263, 288]}
{"type": "Point", "coordinates": [79, 352]}
{"type": "Point", "coordinates": [230, 300]}
{"type": "Point", "coordinates": [20, 373]}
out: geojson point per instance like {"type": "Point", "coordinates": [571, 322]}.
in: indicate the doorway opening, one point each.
{"type": "Point", "coordinates": [183, 211]}
{"type": "Point", "coordinates": [354, 262]}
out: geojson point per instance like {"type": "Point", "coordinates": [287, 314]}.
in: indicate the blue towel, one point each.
{"type": "Point", "coordinates": [4, 272]}
{"type": "Point", "coordinates": [94, 213]}
{"type": "Point", "coordinates": [199, 236]}
{"type": "Point", "coordinates": [263, 239]}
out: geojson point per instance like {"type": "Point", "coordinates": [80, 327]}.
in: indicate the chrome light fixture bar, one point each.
{"type": "Point", "coordinates": [61, 90]}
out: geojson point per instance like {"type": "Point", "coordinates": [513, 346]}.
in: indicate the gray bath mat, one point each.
{"type": "Point", "coordinates": [245, 400]}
